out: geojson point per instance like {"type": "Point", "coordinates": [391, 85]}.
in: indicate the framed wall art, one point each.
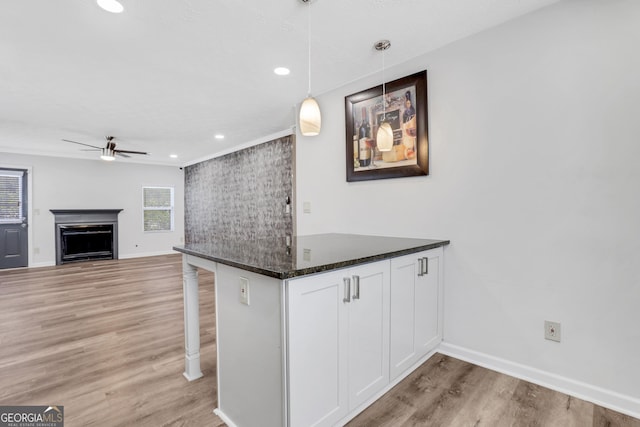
{"type": "Point", "coordinates": [405, 109]}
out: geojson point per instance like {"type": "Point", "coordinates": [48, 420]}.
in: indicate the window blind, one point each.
{"type": "Point", "coordinates": [158, 208]}
{"type": "Point", "coordinates": [10, 198]}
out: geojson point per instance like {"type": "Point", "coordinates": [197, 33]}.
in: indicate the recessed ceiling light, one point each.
{"type": "Point", "coordinates": [173, 156]}
{"type": "Point", "coordinates": [112, 6]}
{"type": "Point", "coordinates": [219, 136]}
{"type": "Point", "coordinates": [282, 71]}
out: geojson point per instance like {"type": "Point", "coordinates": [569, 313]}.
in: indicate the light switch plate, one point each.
{"type": "Point", "coordinates": [552, 330]}
{"type": "Point", "coordinates": [244, 290]}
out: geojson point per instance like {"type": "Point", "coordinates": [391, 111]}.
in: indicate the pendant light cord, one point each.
{"type": "Point", "coordinates": [384, 102]}
{"type": "Point", "coordinates": [309, 43]}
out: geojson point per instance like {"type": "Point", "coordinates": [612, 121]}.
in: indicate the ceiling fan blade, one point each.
{"type": "Point", "coordinates": [131, 152]}
{"type": "Point", "coordinates": [81, 143]}
{"type": "Point", "coordinates": [91, 149]}
{"type": "Point", "coordinates": [119, 153]}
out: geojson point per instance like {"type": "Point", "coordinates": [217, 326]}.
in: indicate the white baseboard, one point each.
{"type": "Point", "coordinates": [42, 264]}
{"type": "Point", "coordinates": [121, 256]}
{"type": "Point", "coordinates": [224, 418]}
{"type": "Point", "coordinates": [603, 397]}
{"type": "Point", "coordinates": [146, 254]}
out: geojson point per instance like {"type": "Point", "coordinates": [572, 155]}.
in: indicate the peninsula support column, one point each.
{"type": "Point", "coordinates": [191, 321]}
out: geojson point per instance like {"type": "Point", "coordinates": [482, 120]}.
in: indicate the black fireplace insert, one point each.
{"type": "Point", "coordinates": [84, 242]}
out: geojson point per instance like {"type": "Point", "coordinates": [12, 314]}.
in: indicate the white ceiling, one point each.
{"type": "Point", "coordinates": [164, 76]}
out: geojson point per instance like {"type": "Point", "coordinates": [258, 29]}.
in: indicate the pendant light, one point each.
{"type": "Point", "coordinates": [310, 118]}
{"type": "Point", "coordinates": [112, 6]}
{"type": "Point", "coordinates": [384, 136]}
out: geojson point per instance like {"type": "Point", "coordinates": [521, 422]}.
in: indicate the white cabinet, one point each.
{"type": "Point", "coordinates": [338, 335]}
{"type": "Point", "coordinates": [416, 309]}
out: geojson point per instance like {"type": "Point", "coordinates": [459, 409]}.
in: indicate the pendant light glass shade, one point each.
{"type": "Point", "coordinates": [310, 117]}
{"type": "Point", "coordinates": [112, 6]}
{"type": "Point", "coordinates": [384, 137]}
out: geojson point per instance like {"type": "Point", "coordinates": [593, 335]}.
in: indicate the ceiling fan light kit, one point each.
{"type": "Point", "coordinates": [310, 118]}
{"type": "Point", "coordinates": [108, 154]}
{"type": "Point", "coordinates": [109, 151]}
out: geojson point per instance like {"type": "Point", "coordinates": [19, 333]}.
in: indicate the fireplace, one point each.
{"type": "Point", "coordinates": [86, 234]}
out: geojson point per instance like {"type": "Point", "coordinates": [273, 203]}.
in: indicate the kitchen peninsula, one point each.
{"type": "Point", "coordinates": [313, 332]}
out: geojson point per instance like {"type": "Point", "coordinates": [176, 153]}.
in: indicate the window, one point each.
{"type": "Point", "coordinates": [10, 196]}
{"type": "Point", "coordinates": [158, 208]}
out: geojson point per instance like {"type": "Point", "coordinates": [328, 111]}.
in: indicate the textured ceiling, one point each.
{"type": "Point", "coordinates": [164, 76]}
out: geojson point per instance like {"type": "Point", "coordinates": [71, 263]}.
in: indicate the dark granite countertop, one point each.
{"type": "Point", "coordinates": [306, 254]}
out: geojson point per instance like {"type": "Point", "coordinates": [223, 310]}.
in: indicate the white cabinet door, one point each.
{"type": "Point", "coordinates": [317, 350]}
{"type": "Point", "coordinates": [415, 321]}
{"type": "Point", "coordinates": [368, 331]}
{"type": "Point", "coordinates": [427, 306]}
{"type": "Point", "coordinates": [338, 335]}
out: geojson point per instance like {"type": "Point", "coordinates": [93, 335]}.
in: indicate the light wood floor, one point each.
{"type": "Point", "coordinates": [448, 392]}
{"type": "Point", "coordinates": [105, 340]}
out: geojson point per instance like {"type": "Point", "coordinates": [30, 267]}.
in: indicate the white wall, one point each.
{"type": "Point", "coordinates": [60, 183]}
{"type": "Point", "coordinates": [534, 146]}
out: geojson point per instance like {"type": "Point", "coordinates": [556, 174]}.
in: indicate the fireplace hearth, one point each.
{"type": "Point", "coordinates": [86, 234]}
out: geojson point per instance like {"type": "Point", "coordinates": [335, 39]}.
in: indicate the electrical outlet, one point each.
{"type": "Point", "coordinates": [244, 290]}
{"type": "Point", "coordinates": [306, 207]}
{"type": "Point", "coordinates": [552, 330]}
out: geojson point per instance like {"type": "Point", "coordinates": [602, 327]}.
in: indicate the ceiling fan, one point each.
{"type": "Point", "coordinates": [109, 151]}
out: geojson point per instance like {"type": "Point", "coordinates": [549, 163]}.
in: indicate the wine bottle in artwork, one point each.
{"type": "Point", "coordinates": [409, 111]}
{"type": "Point", "coordinates": [364, 133]}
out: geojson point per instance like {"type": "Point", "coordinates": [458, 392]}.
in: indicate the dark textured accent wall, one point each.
{"type": "Point", "coordinates": [241, 195]}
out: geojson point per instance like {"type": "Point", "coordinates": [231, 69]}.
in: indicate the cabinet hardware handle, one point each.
{"type": "Point", "coordinates": [347, 290]}
{"type": "Point", "coordinates": [356, 287]}
{"type": "Point", "coordinates": [425, 264]}
{"type": "Point", "coordinates": [420, 267]}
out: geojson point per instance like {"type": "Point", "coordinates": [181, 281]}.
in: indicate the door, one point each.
{"type": "Point", "coordinates": [428, 329]}
{"type": "Point", "coordinates": [404, 275]}
{"type": "Point", "coordinates": [368, 332]}
{"type": "Point", "coordinates": [317, 313]}
{"type": "Point", "coordinates": [13, 218]}
{"type": "Point", "coordinates": [415, 318]}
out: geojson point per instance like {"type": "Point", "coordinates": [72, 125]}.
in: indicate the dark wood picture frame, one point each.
{"type": "Point", "coordinates": [414, 161]}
